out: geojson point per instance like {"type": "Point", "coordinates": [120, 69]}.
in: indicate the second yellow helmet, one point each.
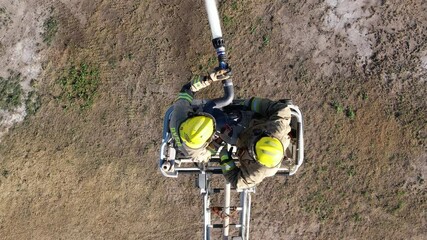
{"type": "Point", "coordinates": [269, 151]}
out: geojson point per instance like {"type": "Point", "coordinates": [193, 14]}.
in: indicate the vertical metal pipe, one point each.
{"type": "Point", "coordinates": [227, 210]}
{"type": "Point", "coordinates": [248, 217]}
{"type": "Point", "coordinates": [206, 207]}
{"type": "Point", "coordinates": [242, 219]}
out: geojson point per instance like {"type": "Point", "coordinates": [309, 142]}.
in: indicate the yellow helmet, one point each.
{"type": "Point", "coordinates": [196, 131]}
{"type": "Point", "coordinates": [269, 151]}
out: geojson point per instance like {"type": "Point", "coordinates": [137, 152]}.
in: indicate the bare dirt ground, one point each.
{"type": "Point", "coordinates": [86, 167]}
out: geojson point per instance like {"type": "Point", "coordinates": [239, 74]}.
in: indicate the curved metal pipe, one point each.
{"type": "Point", "coordinates": [222, 101]}
{"type": "Point", "coordinates": [219, 46]}
{"type": "Point", "coordinates": [228, 94]}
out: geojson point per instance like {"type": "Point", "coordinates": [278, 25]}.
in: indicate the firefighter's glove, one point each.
{"type": "Point", "coordinates": [220, 74]}
{"type": "Point", "coordinates": [227, 162]}
{"type": "Point", "coordinates": [198, 83]}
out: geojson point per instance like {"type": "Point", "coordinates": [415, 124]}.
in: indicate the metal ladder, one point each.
{"type": "Point", "coordinates": [244, 209]}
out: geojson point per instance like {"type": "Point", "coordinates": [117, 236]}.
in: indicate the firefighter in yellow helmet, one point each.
{"type": "Point", "coordinates": [261, 147]}
{"type": "Point", "coordinates": [192, 130]}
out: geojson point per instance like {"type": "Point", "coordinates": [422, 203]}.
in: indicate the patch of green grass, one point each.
{"type": "Point", "coordinates": [50, 27]}
{"type": "Point", "coordinates": [352, 156]}
{"type": "Point", "coordinates": [254, 26]}
{"type": "Point", "coordinates": [32, 103]}
{"type": "Point", "coordinates": [112, 62]}
{"type": "Point", "coordinates": [401, 193]}
{"type": "Point", "coordinates": [400, 204]}
{"type": "Point", "coordinates": [79, 86]}
{"type": "Point", "coordinates": [357, 217]}
{"type": "Point", "coordinates": [234, 6]}
{"type": "Point", "coordinates": [227, 20]}
{"type": "Point", "coordinates": [364, 96]}
{"type": "Point", "coordinates": [365, 193]}
{"type": "Point", "coordinates": [351, 171]}
{"type": "Point", "coordinates": [265, 40]}
{"type": "Point", "coordinates": [10, 92]}
{"type": "Point", "coordinates": [350, 113]}
{"type": "Point", "coordinates": [253, 29]}
{"type": "Point", "coordinates": [127, 56]}
{"type": "Point", "coordinates": [317, 203]}
{"type": "Point", "coordinates": [323, 169]}
{"type": "Point", "coordinates": [338, 107]}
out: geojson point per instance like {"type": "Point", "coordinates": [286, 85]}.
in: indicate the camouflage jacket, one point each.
{"type": "Point", "coordinates": [275, 121]}
{"type": "Point", "coordinates": [182, 109]}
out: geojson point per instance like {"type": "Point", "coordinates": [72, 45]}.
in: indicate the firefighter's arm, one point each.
{"type": "Point", "coordinates": [277, 113]}
{"type": "Point", "coordinates": [199, 82]}
{"type": "Point", "coordinates": [181, 109]}
{"type": "Point", "coordinates": [228, 167]}
{"type": "Point", "coordinates": [273, 110]}
{"type": "Point", "coordinates": [182, 105]}
{"type": "Point", "coordinates": [186, 93]}
{"type": "Point", "coordinates": [227, 162]}
{"type": "Point", "coordinates": [240, 178]}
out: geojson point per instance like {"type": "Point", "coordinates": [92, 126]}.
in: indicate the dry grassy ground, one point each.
{"type": "Point", "coordinates": [79, 146]}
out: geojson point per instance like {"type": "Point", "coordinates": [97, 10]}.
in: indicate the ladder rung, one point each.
{"type": "Point", "coordinates": [217, 190]}
{"type": "Point", "coordinates": [232, 208]}
{"type": "Point", "coordinates": [220, 225]}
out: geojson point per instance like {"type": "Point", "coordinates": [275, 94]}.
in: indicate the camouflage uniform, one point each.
{"type": "Point", "coordinates": [275, 122]}
{"type": "Point", "coordinates": [182, 110]}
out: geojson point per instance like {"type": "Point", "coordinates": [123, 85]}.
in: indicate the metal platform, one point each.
{"type": "Point", "coordinates": [170, 165]}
